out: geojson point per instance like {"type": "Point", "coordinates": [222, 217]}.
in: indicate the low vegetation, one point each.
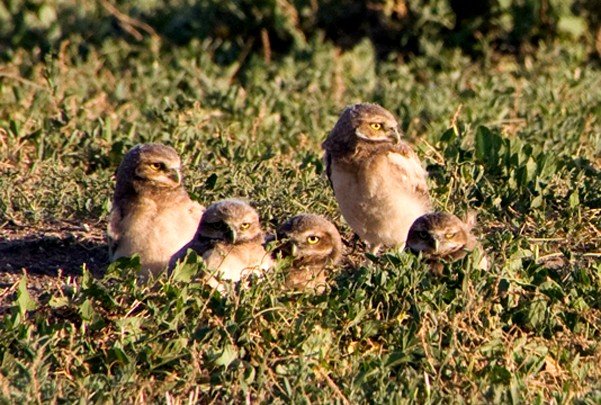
{"type": "Point", "coordinates": [516, 137]}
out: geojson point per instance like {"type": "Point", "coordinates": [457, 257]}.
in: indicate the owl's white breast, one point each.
{"type": "Point", "coordinates": [381, 199]}
{"type": "Point", "coordinates": [157, 232]}
{"type": "Point", "coordinates": [235, 262]}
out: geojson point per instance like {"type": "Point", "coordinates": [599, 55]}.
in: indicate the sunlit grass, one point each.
{"type": "Point", "coordinates": [518, 142]}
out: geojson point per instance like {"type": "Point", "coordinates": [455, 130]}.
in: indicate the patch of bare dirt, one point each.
{"type": "Point", "coordinates": [48, 253]}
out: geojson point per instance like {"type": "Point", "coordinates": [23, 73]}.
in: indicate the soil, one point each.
{"type": "Point", "coordinates": [48, 254]}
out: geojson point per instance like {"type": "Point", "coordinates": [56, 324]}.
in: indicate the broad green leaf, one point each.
{"type": "Point", "coordinates": [537, 313]}
{"type": "Point", "coordinates": [228, 355]}
{"type": "Point", "coordinates": [24, 300]}
{"type": "Point", "coordinates": [186, 270]}
{"type": "Point", "coordinates": [574, 199]}
{"type": "Point", "coordinates": [87, 311]}
{"type": "Point", "coordinates": [500, 374]}
{"type": "Point", "coordinates": [488, 146]}
{"type": "Point", "coordinates": [573, 25]}
{"type": "Point", "coordinates": [130, 325]}
{"type": "Point", "coordinates": [58, 302]}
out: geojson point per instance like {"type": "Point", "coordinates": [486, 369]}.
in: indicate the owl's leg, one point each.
{"type": "Point", "coordinates": [215, 284]}
{"type": "Point", "coordinates": [373, 248]}
{"type": "Point", "coordinates": [353, 243]}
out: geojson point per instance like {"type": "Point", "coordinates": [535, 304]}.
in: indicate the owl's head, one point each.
{"type": "Point", "coordinates": [150, 165]}
{"type": "Point", "coordinates": [363, 123]}
{"type": "Point", "coordinates": [232, 221]}
{"type": "Point", "coordinates": [310, 239]}
{"type": "Point", "coordinates": [438, 234]}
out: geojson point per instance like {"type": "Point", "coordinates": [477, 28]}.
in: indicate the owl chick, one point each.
{"type": "Point", "coordinates": [378, 180]}
{"type": "Point", "coordinates": [314, 245]}
{"type": "Point", "coordinates": [441, 236]}
{"type": "Point", "coordinates": [152, 214]}
{"type": "Point", "coordinates": [230, 240]}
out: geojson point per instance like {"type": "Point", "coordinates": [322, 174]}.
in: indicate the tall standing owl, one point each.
{"type": "Point", "coordinates": [441, 236]}
{"type": "Point", "coordinates": [314, 245]}
{"type": "Point", "coordinates": [378, 180]}
{"type": "Point", "coordinates": [152, 214]}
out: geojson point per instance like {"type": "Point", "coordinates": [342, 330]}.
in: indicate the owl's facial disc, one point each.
{"type": "Point", "coordinates": [378, 132]}
{"type": "Point", "coordinates": [160, 173]}
{"type": "Point", "coordinates": [174, 174]}
{"type": "Point", "coordinates": [216, 230]}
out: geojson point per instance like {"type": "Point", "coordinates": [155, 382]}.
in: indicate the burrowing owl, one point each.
{"type": "Point", "coordinates": [230, 240]}
{"type": "Point", "coordinates": [315, 247]}
{"type": "Point", "coordinates": [152, 214]}
{"type": "Point", "coordinates": [378, 180]}
{"type": "Point", "coordinates": [441, 236]}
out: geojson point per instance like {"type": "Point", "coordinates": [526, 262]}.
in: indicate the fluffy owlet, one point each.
{"type": "Point", "coordinates": [315, 247]}
{"type": "Point", "coordinates": [441, 236]}
{"type": "Point", "coordinates": [152, 214]}
{"type": "Point", "coordinates": [230, 240]}
{"type": "Point", "coordinates": [378, 180]}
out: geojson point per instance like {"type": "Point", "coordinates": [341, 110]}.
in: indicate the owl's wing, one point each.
{"type": "Point", "coordinates": [113, 231]}
{"type": "Point", "coordinates": [193, 213]}
{"type": "Point", "coordinates": [202, 244]}
{"type": "Point", "coordinates": [327, 157]}
{"type": "Point", "coordinates": [407, 167]}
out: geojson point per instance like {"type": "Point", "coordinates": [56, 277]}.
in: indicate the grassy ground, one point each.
{"type": "Point", "coordinates": [517, 140]}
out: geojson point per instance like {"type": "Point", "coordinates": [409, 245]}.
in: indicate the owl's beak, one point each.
{"type": "Point", "coordinates": [436, 245]}
{"type": "Point", "coordinates": [395, 135]}
{"type": "Point", "coordinates": [231, 235]}
{"type": "Point", "coordinates": [175, 175]}
{"type": "Point", "coordinates": [293, 249]}
{"type": "Point", "coordinates": [284, 248]}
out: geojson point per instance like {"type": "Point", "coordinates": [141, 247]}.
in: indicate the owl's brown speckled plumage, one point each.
{"type": "Point", "coordinates": [377, 179]}
{"type": "Point", "coordinates": [230, 240]}
{"type": "Point", "coordinates": [441, 236]}
{"type": "Point", "coordinates": [315, 247]}
{"type": "Point", "coordinates": [152, 214]}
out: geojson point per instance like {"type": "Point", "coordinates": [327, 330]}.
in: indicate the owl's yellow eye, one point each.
{"type": "Point", "coordinates": [155, 166]}
{"type": "Point", "coordinates": [449, 235]}
{"type": "Point", "coordinates": [244, 226]}
{"type": "Point", "coordinates": [312, 240]}
{"type": "Point", "coordinates": [376, 126]}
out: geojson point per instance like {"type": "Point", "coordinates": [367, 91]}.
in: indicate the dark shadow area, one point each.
{"type": "Point", "coordinates": [274, 28]}
{"type": "Point", "coordinates": [589, 194]}
{"type": "Point", "coordinates": [47, 255]}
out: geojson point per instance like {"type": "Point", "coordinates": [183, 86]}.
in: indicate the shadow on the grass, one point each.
{"type": "Point", "coordinates": [46, 255]}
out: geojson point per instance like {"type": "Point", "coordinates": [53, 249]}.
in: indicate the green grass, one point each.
{"type": "Point", "coordinates": [516, 139]}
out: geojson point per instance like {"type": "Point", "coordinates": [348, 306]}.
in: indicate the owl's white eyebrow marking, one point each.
{"type": "Point", "coordinates": [365, 137]}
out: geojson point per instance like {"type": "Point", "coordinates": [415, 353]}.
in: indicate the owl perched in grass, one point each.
{"type": "Point", "coordinates": [441, 236]}
{"type": "Point", "coordinates": [152, 214]}
{"type": "Point", "coordinates": [377, 179]}
{"type": "Point", "coordinates": [230, 240]}
{"type": "Point", "coordinates": [314, 245]}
